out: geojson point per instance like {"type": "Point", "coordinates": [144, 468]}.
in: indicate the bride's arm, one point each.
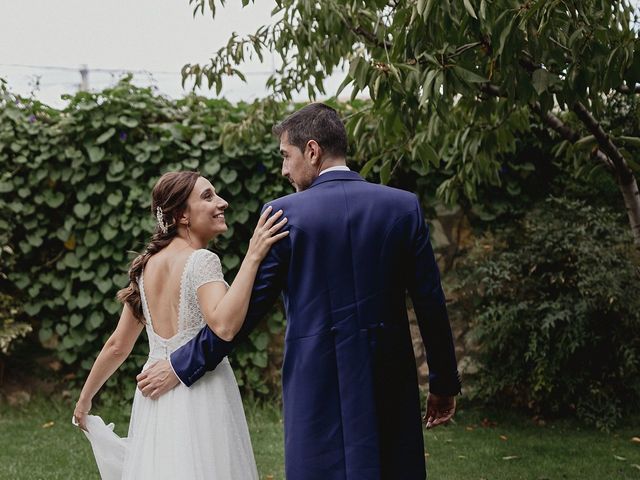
{"type": "Point", "coordinates": [116, 349]}
{"type": "Point", "coordinates": [225, 310]}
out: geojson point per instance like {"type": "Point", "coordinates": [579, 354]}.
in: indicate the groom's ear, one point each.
{"type": "Point", "coordinates": [314, 152]}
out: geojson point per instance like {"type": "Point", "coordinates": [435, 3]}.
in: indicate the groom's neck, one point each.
{"type": "Point", "coordinates": [332, 162]}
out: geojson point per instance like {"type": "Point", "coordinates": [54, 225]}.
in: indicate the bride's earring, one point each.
{"type": "Point", "coordinates": [189, 231]}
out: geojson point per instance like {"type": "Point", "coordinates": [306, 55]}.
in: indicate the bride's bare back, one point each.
{"type": "Point", "coordinates": [161, 277]}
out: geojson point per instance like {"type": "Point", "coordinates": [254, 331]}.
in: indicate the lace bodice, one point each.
{"type": "Point", "coordinates": [202, 266]}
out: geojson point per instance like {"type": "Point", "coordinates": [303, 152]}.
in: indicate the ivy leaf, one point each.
{"type": "Point", "coordinates": [105, 136]}
{"type": "Point", "coordinates": [71, 260]}
{"type": "Point", "coordinates": [259, 359]}
{"type": "Point", "coordinates": [116, 167]}
{"type": "Point", "coordinates": [108, 232]}
{"type": "Point", "coordinates": [95, 153]}
{"type": "Point", "coordinates": [114, 199]}
{"type": "Point", "coordinates": [95, 320]}
{"type": "Point", "coordinates": [129, 122]}
{"type": "Point", "coordinates": [104, 285]}
{"type": "Point", "coordinates": [198, 138]}
{"type": "Point", "coordinates": [81, 209]}
{"type": "Point", "coordinates": [230, 262]}
{"type": "Point", "coordinates": [32, 308]}
{"type": "Point", "coordinates": [260, 340]}
{"type": "Point", "coordinates": [228, 176]}
{"type": "Point", "coordinates": [44, 334]}
{"type": "Point", "coordinates": [54, 199]}
{"type": "Point", "coordinates": [90, 238]}
{"type": "Point", "coordinates": [75, 320]}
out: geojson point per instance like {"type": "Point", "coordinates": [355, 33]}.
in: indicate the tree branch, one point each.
{"type": "Point", "coordinates": [627, 89]}
{"type": "Point", "coordinates": [604, 141]}
{"type": "Point", "coordinates": [566, 132]}
{"type": "Point", "coordinates": [369, 36]}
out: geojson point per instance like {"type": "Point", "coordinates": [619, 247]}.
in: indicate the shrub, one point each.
{"type": "Point", "coordinates": [557, 313]}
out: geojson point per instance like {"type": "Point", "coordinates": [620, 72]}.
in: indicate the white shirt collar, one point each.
{"type": "Point", "coordinates": [338, 168]}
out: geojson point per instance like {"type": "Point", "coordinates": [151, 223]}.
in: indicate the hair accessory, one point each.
{"type": "Point", "coordinates": [164, 228]}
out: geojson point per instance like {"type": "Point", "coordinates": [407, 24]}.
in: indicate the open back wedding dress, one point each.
{"type": "Point", "coordinates": [189, 433]}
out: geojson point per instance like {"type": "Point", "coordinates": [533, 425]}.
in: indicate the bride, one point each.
{"type": "Point", "coordinates": [176, 286]}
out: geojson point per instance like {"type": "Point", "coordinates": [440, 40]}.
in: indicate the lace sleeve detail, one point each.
{"type": "Point", "coordinates": [206, 268]}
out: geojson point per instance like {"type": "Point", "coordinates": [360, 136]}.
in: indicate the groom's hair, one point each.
{"type": "Point", "coordinates": [318, 122]}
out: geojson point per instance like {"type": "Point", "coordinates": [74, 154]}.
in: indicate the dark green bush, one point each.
{"type": "Point", "coordinates": [556, 306]}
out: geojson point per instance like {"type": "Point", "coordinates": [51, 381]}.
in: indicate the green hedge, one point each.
{"type": "Point", "coordinates": [75, 191]}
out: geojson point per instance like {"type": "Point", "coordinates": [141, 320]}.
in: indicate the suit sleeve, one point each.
{"type": "Point", "coordinates": [431, 311]}
{"type": "Point", "coordinates": [206, 350]}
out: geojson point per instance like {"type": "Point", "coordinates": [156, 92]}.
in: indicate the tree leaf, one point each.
{"type": "Point", "coordinates": [541, 80]}
{"type": "Point", "coordinates": [469, 7]}
{"type": "Point", "coordinates": [469, 76]}
{"type": "Point", "coordinates": [427, 9]}
{"type": "Point", "coordinates": [385, 172]}
{"type": "Point", "coordinates": [364, 171]}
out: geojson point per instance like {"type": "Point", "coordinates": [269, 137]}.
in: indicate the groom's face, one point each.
{"type": "Point", "coordinates": [297, 166]}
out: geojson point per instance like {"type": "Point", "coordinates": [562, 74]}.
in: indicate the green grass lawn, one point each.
{"type": "Point", "coordinates": [37, 441]}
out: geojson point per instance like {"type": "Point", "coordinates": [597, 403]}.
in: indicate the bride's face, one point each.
{"type": "Point", "coordinates": [205, 211]}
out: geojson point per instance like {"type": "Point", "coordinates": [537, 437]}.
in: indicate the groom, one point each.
{"type": "Point", "coordinates": [350, 392]}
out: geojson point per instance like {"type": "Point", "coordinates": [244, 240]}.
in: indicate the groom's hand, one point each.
{"type": "Point", "coordinates": [440, 410]}
{"type": "Point", "coordinates": [157, 380]}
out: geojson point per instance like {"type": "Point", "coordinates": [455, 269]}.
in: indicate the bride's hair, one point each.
{"type": "Point", "coordinates": [170, 193]}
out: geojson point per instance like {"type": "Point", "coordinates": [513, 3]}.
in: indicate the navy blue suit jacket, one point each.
{"type": "Point", "coordinates": [350, 392]}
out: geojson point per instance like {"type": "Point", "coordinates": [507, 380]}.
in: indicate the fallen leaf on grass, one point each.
{"type": "Point", "coordinates": [618, 457]}
{"type": "Point", "coordinates": [635, 439]}
{"type": "Point", "coordinates": [48, 424]}
{"type": "Point", "coordinates": [510, 457]}
{"type": "Point", "coordinates": [469, 429]}
{"type": "Point", "coordinates": [503, 437]}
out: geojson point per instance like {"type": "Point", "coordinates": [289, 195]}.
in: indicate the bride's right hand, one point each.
{"type": "Point", "coordinates": [83, 407]}
{"type": "Point", "coordinates": [266, 234]}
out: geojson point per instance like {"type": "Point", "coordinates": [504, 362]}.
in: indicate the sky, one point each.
{"type": "Point", "coordinates": [47, 42]}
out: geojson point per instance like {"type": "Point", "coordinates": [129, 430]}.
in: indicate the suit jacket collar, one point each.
{"type": "Point", "coordinates": [337, 176]}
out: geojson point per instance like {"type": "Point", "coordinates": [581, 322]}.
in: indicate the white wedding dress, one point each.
{"type": "Point", "coordinates": [189, 433]}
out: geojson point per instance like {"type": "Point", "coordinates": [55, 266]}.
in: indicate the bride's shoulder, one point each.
{"type": "Point", "coordinates": [206, 266]}
{"type": "Point", "coordinates": [203, 258]}
{"type": "Point", "coordinates": [205, 254]}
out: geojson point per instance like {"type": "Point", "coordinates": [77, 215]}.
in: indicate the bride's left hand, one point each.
{"type": "Point", "coordinates": [83, 407]}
